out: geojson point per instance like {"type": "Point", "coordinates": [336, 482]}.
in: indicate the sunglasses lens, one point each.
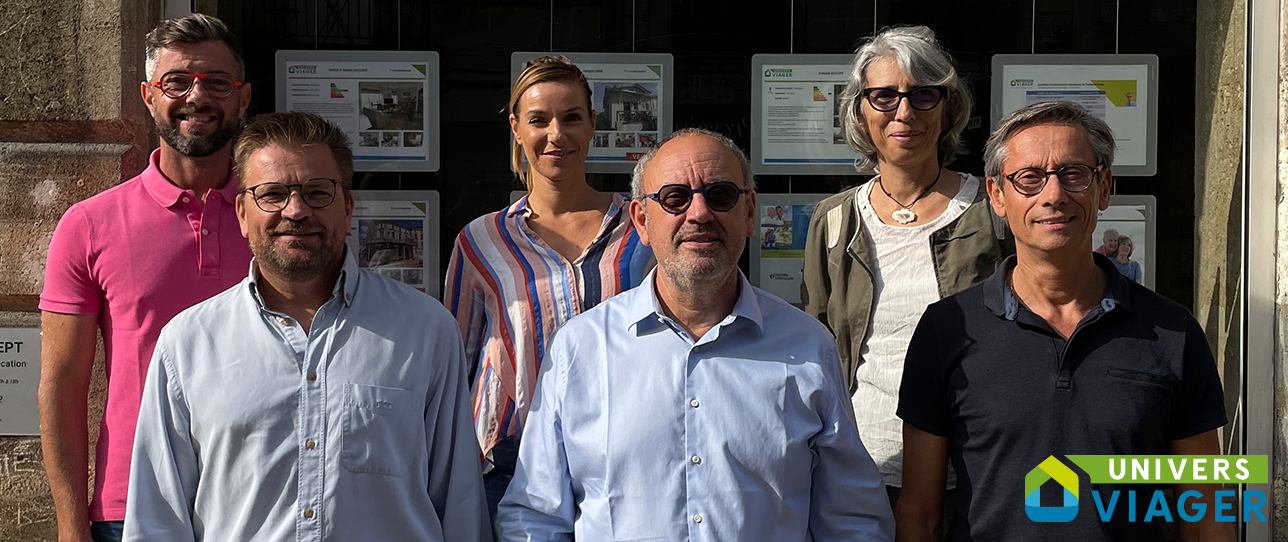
{"type": "Point", "coordinates": [674, 198]}
{"type": "Point", "coordinates": [925, 98]}
{"type": "Point", "coordinates": [722, 196]}
{"type": "Point", "coordinates": [883, 99]}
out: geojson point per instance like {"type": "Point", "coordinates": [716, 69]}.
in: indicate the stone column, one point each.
{"type": "Point", "coordinates": [1218, 131]}
{"type": "Point", "coordinates": [72, 124]}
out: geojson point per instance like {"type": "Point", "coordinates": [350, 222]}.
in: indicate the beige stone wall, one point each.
{"type": "Point", "coordinates": [71, 125]}
{"type": "Point", "coordinates": [1218, 143]}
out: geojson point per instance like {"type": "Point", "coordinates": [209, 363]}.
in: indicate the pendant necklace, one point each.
{"type": "Point", "coordinates": [904, 215]}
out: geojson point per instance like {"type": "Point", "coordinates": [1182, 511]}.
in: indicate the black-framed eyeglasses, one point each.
{"type": "Point", "coordinates": [1073, 178]}
{"type": "Point", "coordinates": [886, 100]}
{"type": "Point", "coordinates": [273, 197]}
{"type": "Point", "coordinates": [176, 85]}
{"type": "Point", "coordinates": [721, 196]}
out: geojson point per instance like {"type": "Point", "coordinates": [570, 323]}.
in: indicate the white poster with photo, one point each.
{"type": "Point", "coordinates": [396, 233]}
{"type": "Point", "coordinates": [386, 101]}
{"type": "Point", "coordinates": [796, 115]}
{"type": "Point", "coordinates": [1125, 234]}
{"type": "Point", "coordinates": [778, 250]}
{"type": "Point", "coordinates": [1118, 89]}
{"type": "Point", "coordinates": [631, 95]}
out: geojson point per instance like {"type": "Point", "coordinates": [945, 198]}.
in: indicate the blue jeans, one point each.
{"type": "Point", "coordinates": [106, 531]}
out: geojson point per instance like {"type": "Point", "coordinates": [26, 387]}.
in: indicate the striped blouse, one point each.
{"type": "Point", "coordinates": [509, 292]}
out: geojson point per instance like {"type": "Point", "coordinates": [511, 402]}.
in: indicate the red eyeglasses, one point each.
{"type": "Point", "coordinates": [176, 85]}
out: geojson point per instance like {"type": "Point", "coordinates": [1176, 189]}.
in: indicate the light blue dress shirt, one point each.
{"type": "Point", "coordinates": [640, 432]}
{"type": "Point", "coordinates": [360, 430]}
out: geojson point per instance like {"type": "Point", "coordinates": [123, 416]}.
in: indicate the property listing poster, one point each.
{"type": "Point", "coordinates": [801, 115]}
{"type": "Point", "coordinates": [1116, 94]}
{"type": "Point", "coordinates": [782, 232]}
{"type": "Point", "coordinates": [382, 106]}
{"type": "Point", "coordinates": [397, 239]}
{"type": "Point", "coordinates": [628, 100]}
{"type": "Point", "coordinates": [1123, 235]}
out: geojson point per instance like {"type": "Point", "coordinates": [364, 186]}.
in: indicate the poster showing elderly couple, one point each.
{"type": "Point", "coordinates": [631, 97]}
{"type": "Point", "coordinates": [386, 101]}
{"type": "Point", "coordinates": [778, 249]}
{"type": "Point", "coordinates": [1125, 234]}
{"type": "Point", "coordinates": [395, 233]}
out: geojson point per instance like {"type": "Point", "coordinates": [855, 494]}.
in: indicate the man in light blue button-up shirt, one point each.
{"type": "Point", "coordinates": [694, 407]}
{"type": "Point", "coordinates": [315, 401]}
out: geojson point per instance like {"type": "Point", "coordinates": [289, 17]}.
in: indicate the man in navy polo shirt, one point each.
{"type": "Point", "coordinates": [1055, 354]}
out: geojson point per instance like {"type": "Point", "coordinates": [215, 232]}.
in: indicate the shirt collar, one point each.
{"type": "Point", "coordinates": [999, 299]}
{"type": "Point", "coordinates": [167, 194]}
{"type": "Point", "coordinates": [644, 311]}
{"type": "Point", "coordinates": [521, 207]}
{"type": "Point", "coordinates": [347, 283]}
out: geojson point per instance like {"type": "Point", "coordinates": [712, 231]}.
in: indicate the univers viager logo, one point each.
{"type": "Point", "coordinates": [1050, 469]}
{"type": "Point", "coordinates": [1114, 470]}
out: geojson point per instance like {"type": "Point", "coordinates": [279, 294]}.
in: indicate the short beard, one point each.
{"type": "Point", "coordinates": [199, 146]}
{"type": "Point", "coordinates": [691, 276]}
{"type": "Point", "coordinates": [324, 260]}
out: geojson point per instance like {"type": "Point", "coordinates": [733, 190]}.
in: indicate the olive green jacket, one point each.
{"type": "Point", "coordinates": [838, 265]}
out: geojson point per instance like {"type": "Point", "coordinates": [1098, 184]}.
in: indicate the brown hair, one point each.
{"type": "Point", "coordinates": [547, 69]}
{"type": "Point", "coordinates": [294, 130]}
{"type": "Point", "coordinates": [194, 28]}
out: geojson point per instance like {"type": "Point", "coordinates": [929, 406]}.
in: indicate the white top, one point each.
{"type": "Point", "coordinates": [902, 252]}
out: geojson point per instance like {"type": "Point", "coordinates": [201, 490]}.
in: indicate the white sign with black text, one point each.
{"type": "Point", "coordinates": [19, 379]}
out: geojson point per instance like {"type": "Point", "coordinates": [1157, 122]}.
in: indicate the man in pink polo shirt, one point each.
{"type": "Point", "coordinates": [127, 260]}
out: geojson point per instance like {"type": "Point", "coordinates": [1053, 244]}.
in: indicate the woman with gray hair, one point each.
{"type": "Point", "coordinates": [878, 254]}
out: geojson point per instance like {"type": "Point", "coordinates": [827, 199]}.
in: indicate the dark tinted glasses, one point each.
{"type": "Point", "coordinates": [176, 85]}
{"type": "Point", "coordinates": [886, 100]}
{"type": "Point", "coordinates": [1073, 178]}
{"type": "Point", "coordinates": [675, 198]}
{"type": "Point", "coordinates": [273, 197]}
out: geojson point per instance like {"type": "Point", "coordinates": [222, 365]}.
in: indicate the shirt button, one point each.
{"type": "Point", "coordinates": [697, 460]}
{"type": "Point", "coordinates": [308, 513]}
{"type": "Point", "coordinates": [312, 376]}
{"type": "Point", "coordinates": [288, 322]}
{"type": "Point", "coordinates": [186, 200]}
{"type": "Point", "coordinates": [310, 444]}
{"type": "Point", "coordinates": [205, 231]}
{"type": "Point", "coordinates": [697, 518]}
{"type": "Point", "coordinates": [693, 403]}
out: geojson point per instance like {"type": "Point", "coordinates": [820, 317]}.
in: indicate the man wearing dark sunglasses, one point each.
{"type": "Point", "coordinates": [1056, 353]}
{"type": "Point", "coordinates": [694, 406]}
{"type": "Point", "coordinates": [129, 259]}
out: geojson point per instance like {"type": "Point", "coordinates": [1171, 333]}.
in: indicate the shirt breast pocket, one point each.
{"type": "Point", "coordinates": [379, 423]}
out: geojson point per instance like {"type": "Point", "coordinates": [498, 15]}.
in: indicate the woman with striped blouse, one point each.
{"type": "Point", "coordinates": [519, 273]}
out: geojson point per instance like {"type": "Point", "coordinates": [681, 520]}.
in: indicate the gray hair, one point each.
{"type": "Point", "coordinates": [1061, 113]}
{"type": "Point", "coordinates": [193, 28]}
{"type": "Point", "coordinates": [637, 177]}
{"type": "Point", "coordinates": [920, 55]}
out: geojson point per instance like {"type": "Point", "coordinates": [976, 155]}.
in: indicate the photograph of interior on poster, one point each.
{"type": "Point", "coordinates": [796, 115]}
{"type": "Point", "coordinates": [631, 96]}
{"type": "Point", "coordinates": [386, 101]}
{"type": "Point", "coordinates": [395, 233]}
{"type": "Point", "coordinates": [1121, 90]}
{"type": "Point", "coordinates": [778, 249]}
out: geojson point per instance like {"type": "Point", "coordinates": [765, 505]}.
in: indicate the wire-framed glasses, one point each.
{"type": "Point", "coordinates": [273, 197]}
{"type": "Point", "coordinates": [176, 85]}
